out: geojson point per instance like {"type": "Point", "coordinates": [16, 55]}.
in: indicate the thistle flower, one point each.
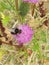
{"type": "Point", "coordinates": [25, 36]}
{"type": "Point", "coordinates": [31, 1]}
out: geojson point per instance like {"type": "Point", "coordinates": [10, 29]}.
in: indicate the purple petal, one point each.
{"type": "Point", "coordinates": [31, 1]}
{"type": "Point", "coordinates": [25, 36]}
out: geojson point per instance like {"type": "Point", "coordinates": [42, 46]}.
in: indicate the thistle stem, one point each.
{"type": "Point", "coordinates": [16, 4]}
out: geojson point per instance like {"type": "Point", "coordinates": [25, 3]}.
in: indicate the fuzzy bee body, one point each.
{"type": "Point", "coordinates": [15, 31]}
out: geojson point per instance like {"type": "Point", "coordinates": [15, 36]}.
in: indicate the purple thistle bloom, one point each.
{"type": "Point", "coordinates": [31, 1]}
{"type": "Point", "coordinates": [25, 36]}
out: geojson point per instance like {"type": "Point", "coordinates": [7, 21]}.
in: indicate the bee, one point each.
{"type": "Point", "coordinates": [15, 31]}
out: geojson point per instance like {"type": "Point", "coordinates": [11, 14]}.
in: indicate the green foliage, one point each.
{"type": "Point", "coordinates": [23, 9]}
{"type": "Point", "coordinates": [40, 35]}
{"type": "Point", "coordinates": [43, 36]}
{"type": "Point", "coordinates": [6, 5]}
{"type": "Point", "coordinates": [6, 20]}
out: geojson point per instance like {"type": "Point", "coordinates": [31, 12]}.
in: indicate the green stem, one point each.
{"type": "Point", "coordinates": [16, 4]}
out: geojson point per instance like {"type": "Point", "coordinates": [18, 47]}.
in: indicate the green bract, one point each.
{"type": "Point", "coordinates": [23, 9]}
